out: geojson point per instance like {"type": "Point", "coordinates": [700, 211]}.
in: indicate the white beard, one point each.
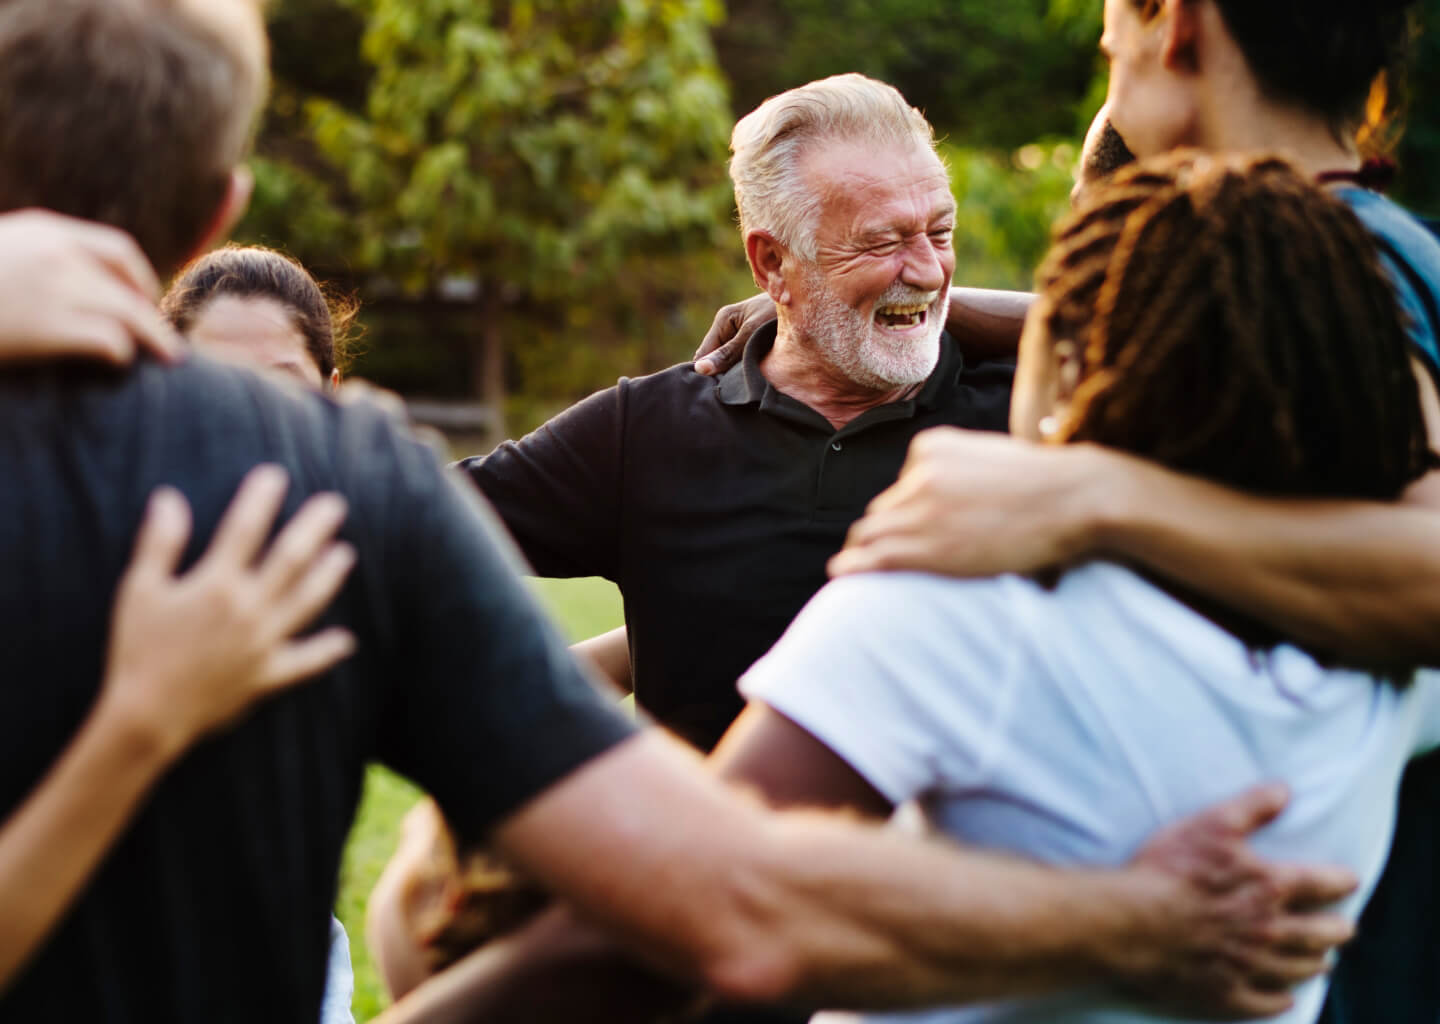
{"type": "Point", "coordinates": [860, 349]}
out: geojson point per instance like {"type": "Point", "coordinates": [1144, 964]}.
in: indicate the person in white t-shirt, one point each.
{"type": "Point", "coordinates": [1224, 318]}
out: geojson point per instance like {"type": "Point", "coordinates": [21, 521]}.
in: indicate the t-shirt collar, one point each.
{"type": "Point", "coordinates": [744, 384]}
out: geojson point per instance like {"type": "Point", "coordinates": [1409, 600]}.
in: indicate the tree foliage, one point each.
{"type": "Point", "coordinates": [559, 164]}
{"type": "Point", "coordinates": [559, 157]}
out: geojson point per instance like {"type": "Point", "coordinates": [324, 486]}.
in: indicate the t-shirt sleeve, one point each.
{"type": "Point", "coordinates": [908, 678]}
{"type": "Point", "coordinates": [558, 488]}
{"type": "Point", "coordinates": [1426, 691]}
{"type": "Point", "coordinates": [1418, 315]}
{"type": "Point", "coordinates": [484, 705]}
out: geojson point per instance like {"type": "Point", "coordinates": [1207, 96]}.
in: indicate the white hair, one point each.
{"type": "Point", "coordinates": [769, 144]}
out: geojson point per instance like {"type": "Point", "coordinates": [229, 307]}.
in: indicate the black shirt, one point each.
{"type": "Point", "coordinates": [214, 905]}
{"type": "Point", "coordinates": [714, 504]}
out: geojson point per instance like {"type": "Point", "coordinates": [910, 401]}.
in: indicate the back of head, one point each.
{"type": "Point", "coordinates": [1233, 320]}
{"type": "Point", "coordinates": [254, 271]}
{"type": "Point", "coordinates": [1326, 56]}
{"type": "Point", "coordinates": [770, 143]}
{"type": "Point", "coordinates": [129, 112]}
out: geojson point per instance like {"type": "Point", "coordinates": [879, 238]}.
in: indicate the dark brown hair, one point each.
{"type": "Point", "coordinates": [1232, 320]}
{"type": "Point", "coordinates": [326, 321]}
{"type": "Point", "coordinates": [128, 112]}
{"type": "Point", "coordinates": [1343, 59]}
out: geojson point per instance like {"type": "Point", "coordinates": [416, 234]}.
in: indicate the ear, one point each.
{"type": "Point", "coordinates": [767, 264]}
{"type": "Point", "coordinates": [334, 381]}
{"type": "Point", "coordinates": [232, 207]}
{"type": "Point", "coordinates": [1181, 45]}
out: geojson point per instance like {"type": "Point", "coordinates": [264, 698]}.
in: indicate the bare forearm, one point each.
{"type": "Point", "coordinates": [610, 653]}
{"type": "Point", "coordinates": [812, 908]}
{"type": "Point", "coordinates": [888, 922]}
{"type": "Point", "coordinates": [52, 844]}
{"type": "Point", "coordinates": [987, 323]}
{"type": "Point", "coordinates": [557, 969]}
{"type": "Point", "coordinates": [1361, 579]}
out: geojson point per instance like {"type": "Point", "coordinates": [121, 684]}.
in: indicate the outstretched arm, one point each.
{"type": "Point", "coordinates": [187, 655]}
{"type": "Point", "coordinates": [1358, 578]}
{"type": "Point", "coordinates": [812, 909]}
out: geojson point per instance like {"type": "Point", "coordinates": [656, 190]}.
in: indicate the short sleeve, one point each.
{"type": "Point", "coordinates": [904, 676]}
{"type": "Point", "coordinates": [558, 488]}
{"type": "Point", "coordinates": [1426, 692]}
{"type": "Point", "coordinates": [485, 706]}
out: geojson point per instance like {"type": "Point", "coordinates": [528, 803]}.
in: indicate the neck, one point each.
{"type": "Point", "coordinates": [798, 367]}
{"type": "Point", "coordinates": [1300, 136]}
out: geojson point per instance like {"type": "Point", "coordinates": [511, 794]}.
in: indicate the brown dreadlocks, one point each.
{"type": "Point", "coordinates": [1232, 320]}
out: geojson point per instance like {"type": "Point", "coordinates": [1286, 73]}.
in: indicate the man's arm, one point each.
{"type": "Point", "coordinates": [610, 653]}
{"type": "Point", "coordinates": [1358, 578]}
{"type": "Point", "coordinates": [811, 909]}
{"type": "Point", "coordinates": [186, 655]}
{"type": "Point", "coordinates": [558, 488]}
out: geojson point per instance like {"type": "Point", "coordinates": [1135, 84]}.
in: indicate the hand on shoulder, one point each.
{"type": "Point", "coordinates": [70, 288]}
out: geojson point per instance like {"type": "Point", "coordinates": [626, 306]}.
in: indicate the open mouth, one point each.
{"type": "Point", "coordinates": [901, 318]}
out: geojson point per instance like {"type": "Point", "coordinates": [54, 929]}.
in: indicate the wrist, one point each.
{"type": "Point", "coordinates": [1102, 501]}
{"type": "Point", "coordinates": [138, 734]}
{"type": "Point", "coordinates": [1126, 946]}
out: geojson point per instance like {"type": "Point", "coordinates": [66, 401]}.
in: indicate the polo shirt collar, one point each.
{"type": "Point", "coordinates": [744, 384]}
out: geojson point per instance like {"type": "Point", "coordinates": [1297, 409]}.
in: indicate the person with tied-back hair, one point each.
{"type": "Point", "coordinates": [1213, 316]}
{"type": "Point", "coordinates": [262, 307]}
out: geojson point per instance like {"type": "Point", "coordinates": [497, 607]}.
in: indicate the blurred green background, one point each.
{"type": "Point", "coordinates": [530, 197]}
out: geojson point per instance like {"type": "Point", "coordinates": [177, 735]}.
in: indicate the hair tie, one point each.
{"type": "Point", "coordinates": [1376, 174]}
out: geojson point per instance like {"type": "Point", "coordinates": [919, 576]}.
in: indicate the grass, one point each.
{"type": "Point", "coordinates": [583, 608]}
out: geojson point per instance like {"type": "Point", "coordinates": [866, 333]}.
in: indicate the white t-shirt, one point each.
{"type": "Point", "coordinates": [1071, 724]}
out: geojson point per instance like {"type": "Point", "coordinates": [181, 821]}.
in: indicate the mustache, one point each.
{"type": "Point", "coordinates": [900, 294]}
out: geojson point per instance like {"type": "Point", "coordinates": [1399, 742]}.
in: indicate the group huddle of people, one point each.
{"type": "Point", "coordinates": [1123, 590]}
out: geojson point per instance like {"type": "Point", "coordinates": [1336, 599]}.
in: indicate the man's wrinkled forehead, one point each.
{"type": "Point", "coordinates": [842, 166]}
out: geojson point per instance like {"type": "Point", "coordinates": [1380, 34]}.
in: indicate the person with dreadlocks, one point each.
{"type": "Point", "coordinates": [1210, 315]}
{"type": "Point", "coordinates": [1311, 78]}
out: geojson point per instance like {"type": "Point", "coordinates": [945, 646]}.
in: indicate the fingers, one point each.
{"type": "Point", "coordinates": [1248, 811]}
{"type": "Point", "coordinates": [313, 592]}
{"type": "Point", "coordinates": [119, 318]}
{"type": "Point", "coordinates": [725, 324]}
{"type": "Point", "coordinates": [247, 522]}
{"type": "Point", "coordinates": [724, 357]}
{"type": "Point", "coordinates": [1304, 887]}
{"type": "Point", "coordinates": [119, 254]}
{"type": "Point", "coordinates": [1248, 1003]}
{"type": "Point", "coordinates": [303, 540]}
{"type": "Point", "coordinates": [304, 659]}
{"type": "Point", "coordinates": [163, 534]}
{"type": "Point", "coordinates": [1309, 935]}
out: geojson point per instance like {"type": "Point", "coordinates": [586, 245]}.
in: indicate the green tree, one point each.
{"type": "Point", "coordinates": [560, 163]}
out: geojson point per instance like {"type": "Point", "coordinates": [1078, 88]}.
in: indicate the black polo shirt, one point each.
{"type": "Point", "coordinates": [214, 903]}
{"type": "Point", "coordinates": [714, 504]}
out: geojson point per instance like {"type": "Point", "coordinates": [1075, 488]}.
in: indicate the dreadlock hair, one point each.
{"type": "Point", "coordinates": [1233, 321]}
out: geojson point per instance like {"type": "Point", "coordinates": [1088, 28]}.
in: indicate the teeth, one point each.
{"type": "Point", "coordinates": [901, 310]}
